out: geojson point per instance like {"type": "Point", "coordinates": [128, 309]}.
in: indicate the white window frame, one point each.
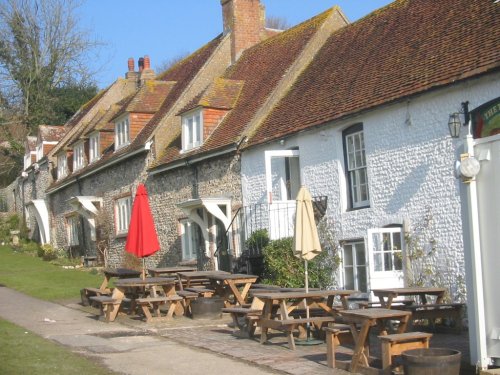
{"type": "Point", "coordinates": [357, 170]}
{"type": "Point", "coordinates": [284, 190]}
{"type": "Point", "coordinates": [122, 132]}
{"type": "Point", "coordinates": [188, 241]}
{"type": "Point", "coordinates": [78, 156]}
{"type": "Point", "coordinates": [192, 130]}
{"type": "Point", "coordinates": [62, 166]}
{"type": "Point", "coordinates": [72, 230]}
{"type": "Point", "coordinates": [357, 265]}
{"type": "Point", "coordinates": [94, 152]}
{"type": "Point", "coordinates": [386, 248]}
{"type": "Point", "coordinates": [123, 211]}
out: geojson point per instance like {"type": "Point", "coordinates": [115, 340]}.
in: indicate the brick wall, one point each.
{"type": "Point", "coordinates": [137, 122]}
{"type": "Point", "coordinates": [245, 20]}
{"type": "Point", "coordinates": [211, 118]}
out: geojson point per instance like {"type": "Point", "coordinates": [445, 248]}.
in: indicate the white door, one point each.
{"type": "Point", "coordinates": [282, 185]}
{"type": "Point", "coordinates": [385, 248]}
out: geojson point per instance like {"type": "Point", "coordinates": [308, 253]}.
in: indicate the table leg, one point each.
{"type": "Point", "coordinates": [266, 314]}
{"type": "Point", "coordinates": [359, 350]}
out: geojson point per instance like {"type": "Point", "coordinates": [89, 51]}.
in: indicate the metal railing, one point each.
{"type": "Point", "coordinates": [277, 220]}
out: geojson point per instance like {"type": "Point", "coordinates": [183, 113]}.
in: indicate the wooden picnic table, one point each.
{"type": "Point", "coordinates": [368, 318]}
{"type": "Point", "coordinates": [152, 284]}
{"type": "Point", "coordinates": [387, 296]}
{"type": "Point", "coordinates": [236, 284]}
{"type": "Point", "coordinates": [292, 300]}
{"type": "Point", "coordinates": [120, 273]}
{"type": "Point", "coordinates": [169, 271]}
{"type": "Point", "coordinates": [190, 278]}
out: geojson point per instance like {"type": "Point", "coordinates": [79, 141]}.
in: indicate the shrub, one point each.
{"type": "Point", "coordinates": [29, 247]}
{"type": "Point", "coordinates": [47, 252]}
{"type": "Point", "coordinates": [257, 240]}
{"type": "Point", "coordinates": [283, 268]}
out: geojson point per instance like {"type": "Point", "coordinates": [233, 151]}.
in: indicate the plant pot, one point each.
{"type": "Point", "coordinates": [207, 308]}
{"type": "Point", "coordinates": [431, 361]}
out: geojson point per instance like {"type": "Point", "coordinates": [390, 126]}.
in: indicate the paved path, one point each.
{"type": "Point", "coordinates": [180, 346]}
{"type": "Point", "coordinates": [126, 350]}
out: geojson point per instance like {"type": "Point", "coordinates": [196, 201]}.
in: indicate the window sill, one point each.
{"type": "Point", "coordinates": [121, 235]}
{"type": "Point", "coordinates": [189, 262]}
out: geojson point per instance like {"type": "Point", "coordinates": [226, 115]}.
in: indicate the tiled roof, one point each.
{"type": "Point", "coordinates": [221, 94]}
{"type": "Point", "coordinates": [260, 68]}
{"type": "Point", "coordinates": [149, 98]}
{"type": "Point", "coordinates": [50, 133]}
{"type": "Point", "coordinates": [84, 109]}
{"type": "Point", "coordinates": [178, 78]}
{"type": "Point", "coordinates": [405, 48]}
{"type": "Point", "coordinates": [182, 73]}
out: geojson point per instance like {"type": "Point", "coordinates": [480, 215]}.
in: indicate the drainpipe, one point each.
{"type": "Point", "coordinates": [473, 244]}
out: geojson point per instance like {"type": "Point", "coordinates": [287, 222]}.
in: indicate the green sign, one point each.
{"type": "Point", "coordinates": [486, 119]}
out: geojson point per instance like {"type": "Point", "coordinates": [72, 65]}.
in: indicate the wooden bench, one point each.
{"type": "Point", "coordinates": [106, 305]}
{"type": "Point", "coordinates": [202, 291]}
{"type": "Point", "coordinates": [245, 318]}
{"type": "Point", "coordinates": [431, 312]}
{"type": "Point", "coordinates": [395, 344]}
{"type": "Point", "coordinates": [154, 303]}
{"type": "Point", "coordinates": [289, 325]}
{"type": "Point", "coordinates": [86, 293]}
{"type": "Point", "coordinates": [335, 336]}
{"type": "Point", "coordinates": [187, 297]}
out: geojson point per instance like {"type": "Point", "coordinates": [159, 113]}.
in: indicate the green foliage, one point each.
{"type": "Point", "coordinates": [286, 270]}
{"type": "Point", "coordinates": [47, 252]}
{"type": "Point", "coordinates": [8, 224]}
{"type": "Point", "coordinates": [258, 240]}
{"type": "Point", "coordinates": [45, 357]}
{"type": "Point", "coordinates": [28, 247]}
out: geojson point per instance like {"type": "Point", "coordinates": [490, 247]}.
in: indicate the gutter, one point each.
{"type": "Point", "coordinates": [125, 156]}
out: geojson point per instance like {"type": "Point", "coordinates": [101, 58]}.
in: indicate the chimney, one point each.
{"type": "Point", "coordinates": [245, 20]}
{"type": "Point", "coordinates": [145, 70]}
{"type": "Point", "coordinates": [131, 74]}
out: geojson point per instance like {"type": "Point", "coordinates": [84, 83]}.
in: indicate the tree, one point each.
{"type": "Point", "coordinates": [168, 63]}
{"type": "Point", "coordinates": [278, 23]}
{"type": "Point", "coordinates": [42, 50]}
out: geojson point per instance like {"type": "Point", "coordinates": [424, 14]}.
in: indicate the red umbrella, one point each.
{"type": "Point", "coordinates": [142, 240]}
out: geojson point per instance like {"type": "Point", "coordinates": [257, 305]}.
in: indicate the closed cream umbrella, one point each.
{"type": "Point", "coordinates": [306, 240]}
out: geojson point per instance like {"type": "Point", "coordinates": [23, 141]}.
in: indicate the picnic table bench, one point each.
{"type": "Point", "coordinates": [423, 308]}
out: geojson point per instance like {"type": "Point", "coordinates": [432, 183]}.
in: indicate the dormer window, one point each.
{"type": "Point", "coordinates": [78, 156]}
{"type": "Point", "coordinates": [122, 133]}
{"type": "Point", "coordinates": [62, 166]}
{"type": "Point", "coordinates": [192, 130]}
{"type": "Point", "coordinates": [94, 147]}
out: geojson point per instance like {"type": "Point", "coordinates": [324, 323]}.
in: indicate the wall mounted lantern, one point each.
{"type": "Point", "coordinates": [454, 122]}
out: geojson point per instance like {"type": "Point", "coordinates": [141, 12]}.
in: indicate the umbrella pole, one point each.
{"type": "Point", "coordinates": [143, 268]}
{"type": "Point", "coordinates": [308, 327]}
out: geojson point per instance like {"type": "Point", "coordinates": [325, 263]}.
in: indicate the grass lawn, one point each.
{"type": "Point", "coordinates": [37, 278]}
{"type": "Point", "coordinates": [23, 352]}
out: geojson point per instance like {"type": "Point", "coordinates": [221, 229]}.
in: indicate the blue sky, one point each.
{"type": "Point", "coordinates": [164, 29]}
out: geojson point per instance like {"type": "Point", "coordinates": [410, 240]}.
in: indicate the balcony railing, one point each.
{"type": "Point", "coordinates": [277, 220]}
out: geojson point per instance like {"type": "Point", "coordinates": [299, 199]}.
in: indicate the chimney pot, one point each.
{"type": "Point", "coordinates": [130, 64]}
{"type": "Point", "coordinates": [147, 62]}
{"type": "Point", "coordinates": [141, 64]}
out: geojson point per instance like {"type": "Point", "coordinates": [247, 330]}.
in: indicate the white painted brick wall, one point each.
{"type": "Point", "coordinates": [410, 158]}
